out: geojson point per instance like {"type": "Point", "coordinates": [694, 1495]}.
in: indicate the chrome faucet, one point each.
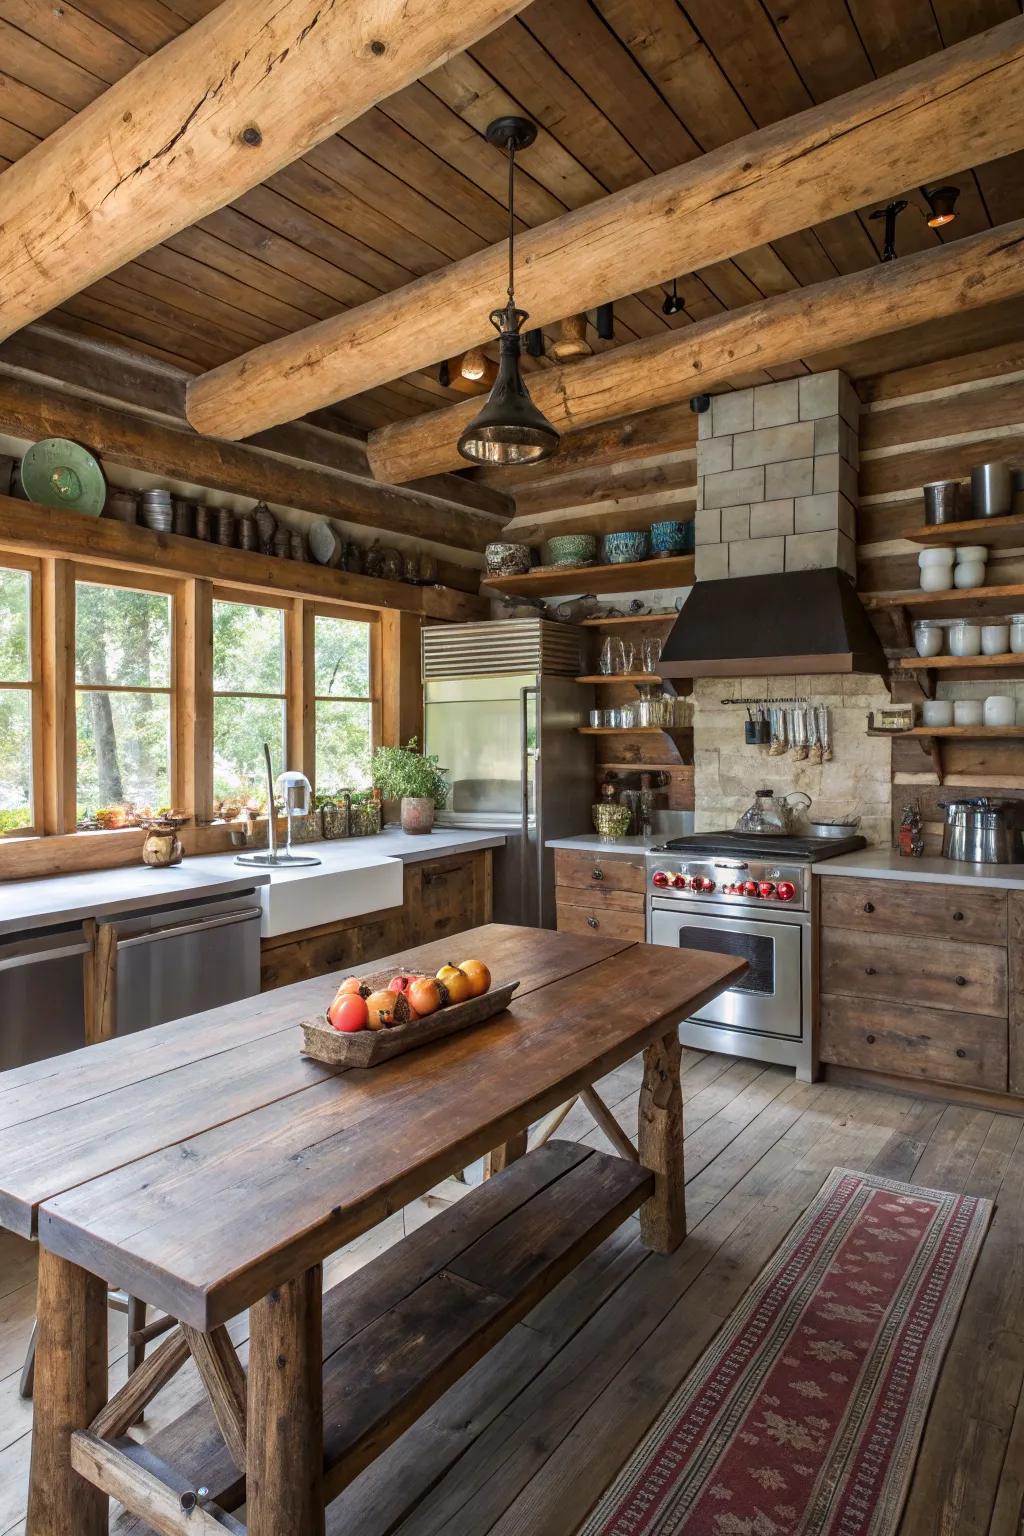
{"type": "Point", "coordinates": [296, 792]}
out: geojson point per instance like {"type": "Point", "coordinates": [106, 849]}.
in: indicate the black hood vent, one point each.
{"type": "Point", "coordinates": [773, 626]}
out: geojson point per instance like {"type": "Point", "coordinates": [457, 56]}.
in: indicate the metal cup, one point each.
{"type": "Point", "coordinates": [942, 502]}
{"type": "Point", "coordinates": [991, 489]}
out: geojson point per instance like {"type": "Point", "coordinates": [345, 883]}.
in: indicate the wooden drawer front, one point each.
{"type": "Point", "coordinates": [609, 922]}
{"type": "Point", "coordinates": [943, 1047]}
{"type": "Point", "coordinates": [600, 898]}
{"type": "Point", "coordinates": [591, 869]}
{"type": "Point", "coordinates": [910, 906]}
{"type": "Point", "coordinates": [970, 978]}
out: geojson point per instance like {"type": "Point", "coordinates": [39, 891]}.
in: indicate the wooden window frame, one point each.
{"type": "Point", "coordinates": [291, 669]}
{"type": "Point", "coordinates": [310, 698]}
{"type": "Point", "coordinates": [34, 687]}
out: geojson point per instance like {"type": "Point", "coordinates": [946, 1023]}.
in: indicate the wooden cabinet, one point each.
{"type": "Point", "coordinates": [440, 896]}
{"type": "Point", "coordinates": [599, 893]}
{"type": "Point", "coordinates": [922, 981]}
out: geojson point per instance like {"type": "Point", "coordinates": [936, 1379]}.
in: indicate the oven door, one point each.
{"type": "Point", "coordinates": [767, 1000]}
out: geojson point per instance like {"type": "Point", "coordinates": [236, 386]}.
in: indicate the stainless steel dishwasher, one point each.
{"type": "Point", "coordinates": [42, 993]}
{"type": "Point", "coordinates": [175, 961]}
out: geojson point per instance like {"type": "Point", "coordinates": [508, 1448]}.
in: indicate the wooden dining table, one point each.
{"type": "Point", "coordinates": [209, 1168]}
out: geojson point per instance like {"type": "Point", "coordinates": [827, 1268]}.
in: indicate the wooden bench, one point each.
{"type": "Point", "coordinates": [404, 1328]}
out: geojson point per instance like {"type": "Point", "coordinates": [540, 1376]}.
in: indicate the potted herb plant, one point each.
{"type": "Point", "coordinates": [419, 782]}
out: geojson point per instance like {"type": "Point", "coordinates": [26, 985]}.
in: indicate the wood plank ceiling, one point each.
{"type": "Point", "coordinates": [621, 89]}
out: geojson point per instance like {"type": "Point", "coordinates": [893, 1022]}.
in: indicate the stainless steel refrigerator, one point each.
{"type": "Point", "coordinates": [501, 711]}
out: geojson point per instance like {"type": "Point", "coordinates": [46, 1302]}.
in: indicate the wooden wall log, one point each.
{"type": "Point", "coordinates": [942, 114]}
{"type": "Point", "coordinates": [243, 92]}
{"type": "Point", "coordinates": [659, 370]}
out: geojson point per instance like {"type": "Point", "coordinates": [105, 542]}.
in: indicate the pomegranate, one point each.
{"type": "Point", "coordinates": [356, 984]}
{"type": "Point", "coordinates": [425, 995]}
{"type": "Point", "coordinates": [387, 1008]}
{"type": "Point", "coordinates": [456, 983]}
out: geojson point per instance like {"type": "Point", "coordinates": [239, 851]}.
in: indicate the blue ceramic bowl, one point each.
{"type": "Point", "coordinates": [619, 548]}
{"type": "Point", "coordinates": [671, 538]}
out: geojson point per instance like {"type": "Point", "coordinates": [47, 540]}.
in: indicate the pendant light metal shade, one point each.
{"type": "Point", "coordinates": [510, 429]}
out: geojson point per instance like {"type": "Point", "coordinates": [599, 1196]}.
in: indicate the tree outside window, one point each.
{"type": "Point", "coordinates": [343, 703]}
{"type": "Point", "coordinates": [16, 688]}
{"type": "Point", "coordinates": [248, 699]}
{"type": "Point", "coordinates": [123, 687]}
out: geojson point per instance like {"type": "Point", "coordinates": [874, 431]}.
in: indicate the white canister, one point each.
{"type": "Point", "coordinates": [937, 712]}
{"type": "Point", "coordinates": [928, 638]}
{"type": "Point", "coordinates": [939, 554]}
{"type": "Point", "coordinates": [969, 573]}
{"type": "Point", "coordinates": [964, 638]}
{"type": "Point", "coordinates": [1000, 709]}
{"type": "Point", "coordinates": [1017, 633]}
{"type": "Point", "coordinates": [937, 578]}
{"type": "Point", "coordinates": [967, 712]}
{"type": "Point", "coordinates": [968, 554]}
{"type": "Point", "coordinates": [995, 639]}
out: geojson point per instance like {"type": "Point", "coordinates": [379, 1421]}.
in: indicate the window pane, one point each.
{"type": "Point", "coordinates": [342, 650]}
{"type": "Point", "coordinates": [15, 648]}
{"type": "Point", "coordinates": [122, 637]}
{"type": "Point", "coordinates": [15, 759]}
{"type": "Point", "coordinates": [240, 727]}
{"type": "Point", "coordinates": [248, 649]}
{"type": "Point", "coordinates": [343, 745]}
{"type": "Point", "coordinates": [124, 751]}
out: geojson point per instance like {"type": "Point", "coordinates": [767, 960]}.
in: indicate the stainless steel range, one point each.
{"type": "Point", "coordinates": [751, 897]}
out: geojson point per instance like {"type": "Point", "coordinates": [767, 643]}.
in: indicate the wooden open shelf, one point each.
{"type": "Point", "coordinates": [967, 604]}
{"type": "Point", "coordinates": [929, 670]}
{"type": "Point", "coordinates": [631, 576]}
{"type": "Point", "coordinates": [632, 618]}
{"type": "Point", "coordinates": [994, 532]}
{"type": "Point", "coordinates": [621, 677]}
{"type": "Point", "coordinates": [933, 737]}
{"type": "Point", "coordinates": [632, 730]}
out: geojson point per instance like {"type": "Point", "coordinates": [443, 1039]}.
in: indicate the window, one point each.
{"type": "Point", "coordinates": [343, 705]}
{"type": "Point", "coordinates": [122, 700]}
{"type": "Point", "coordinates": [17, 812]}
{"type": "Point", "coordinates": [248, 699]}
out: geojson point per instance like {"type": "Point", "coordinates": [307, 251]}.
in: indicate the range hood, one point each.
{"type": "Point", "coordinates": [773, 626]}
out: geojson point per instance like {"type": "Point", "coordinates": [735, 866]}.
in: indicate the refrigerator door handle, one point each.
{"type": "Point", "coordinates": [525, 695]}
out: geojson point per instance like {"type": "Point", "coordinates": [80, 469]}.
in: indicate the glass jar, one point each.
{"type": "Point", "coordinates": [995, 639]}
{"type": "Point", "coordinates": [1017, 633]}
{"type": "Point", "coordinates": [964, 638]}
{"type": "Point", "coordinates": [928, 638]}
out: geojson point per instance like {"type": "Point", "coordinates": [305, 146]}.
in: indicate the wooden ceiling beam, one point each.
{"type": "Point", "coordinates": [137, 442]}
{"type": "Point", "coordinates": [963, 275]}
{"type": "Point", "coordinates": [242, 93]}
{"type": "Point", "coordinates": [934, 117]}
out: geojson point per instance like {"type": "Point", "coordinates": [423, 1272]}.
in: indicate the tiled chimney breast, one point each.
{"type": "Point", "coordinates": [777, 478]}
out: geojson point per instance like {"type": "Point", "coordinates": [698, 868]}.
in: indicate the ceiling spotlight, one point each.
{"type": "Point", "coordinates": [510, 429]}
{"type": "Point", "coordinates": [942, 205]}
{"type": "Point", "coordinates": [890, 213]}
{"type": "Point", "coordinates": [673, 304]}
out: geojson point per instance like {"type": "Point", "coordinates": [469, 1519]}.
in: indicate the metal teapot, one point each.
{"type": "Point", "coordinates": [773, 815]}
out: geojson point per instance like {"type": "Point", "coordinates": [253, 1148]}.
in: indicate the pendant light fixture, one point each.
{"type": "Point", "coordinates": [673, 304]}
{"type": "Point", "coordinates": [941, 205]}
{"type": "Point", "coordinates": [890, 213]}
{"type": "Point", "coordinates": [510, 429]}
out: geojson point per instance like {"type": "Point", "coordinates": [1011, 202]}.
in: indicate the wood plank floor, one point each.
{"type": "Point", "coordinates": [525, 1443]}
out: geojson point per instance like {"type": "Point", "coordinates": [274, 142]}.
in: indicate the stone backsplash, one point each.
{"type": "Point", "coordinates": [727, 771]}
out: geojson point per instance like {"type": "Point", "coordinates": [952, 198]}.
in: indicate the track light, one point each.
{"type": "Point", "coordinates": [890, 213]}
{"type": "Point", "coordinates": [942, 205]}
{"type": "Point", "coordinates": [673, 304]}
{"type": "Point", "coordinates": [604, 321]}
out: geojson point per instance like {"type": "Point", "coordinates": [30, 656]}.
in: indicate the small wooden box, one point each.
{"type": "Point", "coordinates": [369, 1047]}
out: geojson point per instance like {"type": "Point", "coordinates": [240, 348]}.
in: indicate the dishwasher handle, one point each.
{"type": "Point", "coordinates": [182, 930]}
{"type": "Point", "coordinates": [36, 951]}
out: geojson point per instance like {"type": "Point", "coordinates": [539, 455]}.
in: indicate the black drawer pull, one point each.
{"type": "Point", "coordinates": [958, 917]}
{"type": "Point", "coordinates": [598, 874]}
{"type": "Point", "coordinates": [870, 1039]}
{"type": "Point", "coordinates": [869, 906]}
{"type": "Point", "coordinates": [961, 1053]}
{"type": "Point", "coordinates": [961, 981]}
{"type": "Point", "coordinates": [869, 970]}
{"type": "Point", "coordinates": [592, 922]}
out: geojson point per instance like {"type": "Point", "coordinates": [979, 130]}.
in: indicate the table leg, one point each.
{"type": "Point", "coordinates": [663, 1216]}
{"type": "Point", "coordinates": [69, 1391]}
{"type": "Point", "coordinates": [285, 1435]}
{"type": "Point", "coordinates": [509, 1152]}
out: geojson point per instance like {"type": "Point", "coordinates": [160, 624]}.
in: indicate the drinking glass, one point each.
{"type": "Point", "coordinates": [650, 650]}
{"type": "Point", "coordinates": [610, 660]}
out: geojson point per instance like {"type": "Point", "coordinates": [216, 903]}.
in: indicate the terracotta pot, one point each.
{"type": "Point", "coordinates": [417, 813]}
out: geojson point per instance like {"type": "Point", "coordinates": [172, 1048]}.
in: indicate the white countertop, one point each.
{"type": "Point", "coordinates": [886, 864]}
{"type": "Point", "coordinates": [301, 893]}
{"type": "Point", "coordinates": [591, 843]}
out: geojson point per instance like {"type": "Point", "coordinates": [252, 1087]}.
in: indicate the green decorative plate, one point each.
{"type": "Point", "coordinates": [60, 473]}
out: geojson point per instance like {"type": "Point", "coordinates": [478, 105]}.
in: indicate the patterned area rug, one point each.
{"type": "Point", "coordinates": [805, 1413]}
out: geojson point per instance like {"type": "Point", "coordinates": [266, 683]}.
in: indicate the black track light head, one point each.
{"type": "Point", "coordinates": [941, 205]}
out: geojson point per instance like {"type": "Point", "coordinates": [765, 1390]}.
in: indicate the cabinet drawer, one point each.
{"type": "Point", "coordinates": [911, 906]}
{"type": "Point", "coordinates": [600, 897]}
{"type": "Point", "coordinates": [615, 872]}
{"type": "Point", "coordinates": [934, 973]}
{"type": "Point", "coordinates": [929, 1043]}
{"type": "Point", "coordinates": [609, 922]}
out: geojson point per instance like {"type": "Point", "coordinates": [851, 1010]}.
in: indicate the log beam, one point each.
{"type": "Point", "coordinates": [955, 109]}
{"type": "Point", "coordinates": [963, 275]}
{"type": "Point", "coordinates": [239, 95]}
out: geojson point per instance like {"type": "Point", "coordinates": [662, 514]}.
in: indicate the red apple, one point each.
{"type": "Point", "coordinates": [348, 1012]}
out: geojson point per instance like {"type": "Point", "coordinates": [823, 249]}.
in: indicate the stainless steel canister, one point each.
{"type": "Point", "coordinates": [982, 831]}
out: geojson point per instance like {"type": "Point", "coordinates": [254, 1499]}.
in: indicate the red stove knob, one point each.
{"type": "Point", "coordinates": [766, 888]}
{"type": "Point", "coordinates": [659, 877]}
{"type": "Point", "coordinates": [750, 887]}
{"type": "Point", "coordinates": [679, 882]}
{"type": "Point", "coordinates": [707, 884]}
{"type": "Point", "coordinates": [785, 890]}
